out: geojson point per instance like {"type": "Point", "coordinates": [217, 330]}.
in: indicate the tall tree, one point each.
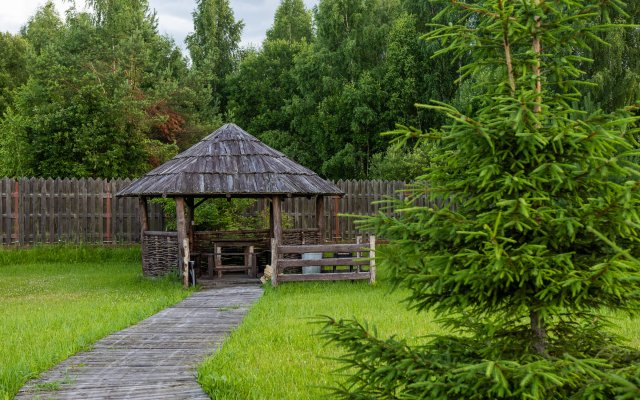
{"type": "Point", "coordinates": [402, 72]}
{"type": "Point", "coordinates": [87, 121]}
{"type": "Point", "coordinates": [44, 25]}
{"type": "Point", "coordinates": [325, 103]}
{"type": "Point", "coordinates": [615, 70]}
{"type": "Point", "coordinates": [536, 234]}
{"type": "Point", "coordinates": [292, 23]}
{"type": "Point", "coordinates": [340, 94]}
{"type": "Point", "coordinates": [262, 85]}
{"type": "Point", "coordinates": [100, 90]}
{"type": "Point", "coordinates": [15, 54]}
{"type": "Point", "coordinates": [213, 47]}
{"type": "Point", "coordinates": [261, 88]}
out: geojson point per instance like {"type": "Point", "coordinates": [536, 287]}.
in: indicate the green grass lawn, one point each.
{"type": "Point", "coordinates": [58, 300]}
{"type": "Point", "coordinates": [55, 301]}
{"type": "Point", "coordinates": [275, 353]}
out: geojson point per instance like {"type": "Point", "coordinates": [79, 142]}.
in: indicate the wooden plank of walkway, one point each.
{"type": "Point", "coordinates": [155, 359]}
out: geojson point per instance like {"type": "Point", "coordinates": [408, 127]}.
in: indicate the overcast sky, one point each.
{"type": "Point", "coordinates": [174, 16]}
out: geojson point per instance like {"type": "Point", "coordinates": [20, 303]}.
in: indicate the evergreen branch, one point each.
{"type": "Point", "coordinates": [611, 244]}
{"type": "Point", "coordinates": [475, 10]}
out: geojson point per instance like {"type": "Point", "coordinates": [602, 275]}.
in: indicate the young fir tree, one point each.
{"type": "Point", "coordinates": [538, 239]}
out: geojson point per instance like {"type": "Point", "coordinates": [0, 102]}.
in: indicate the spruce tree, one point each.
{"type": "Point", "coordinates": [530, 245]}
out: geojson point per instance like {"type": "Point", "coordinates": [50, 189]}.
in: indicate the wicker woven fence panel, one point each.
{"type": "Point", "coordinates": [159, 253]}
{"type": "Point", "coordinates": [300, 236]}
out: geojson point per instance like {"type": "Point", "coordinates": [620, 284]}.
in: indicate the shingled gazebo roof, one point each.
{"type": "Point", "coordinates": [230, 162]}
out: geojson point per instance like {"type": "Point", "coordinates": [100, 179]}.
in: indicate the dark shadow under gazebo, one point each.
{"type": "Point", "coordinates": [229, 163]}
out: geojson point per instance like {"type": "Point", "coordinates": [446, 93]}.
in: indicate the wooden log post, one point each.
{"type": "Point", "coordinates": [217, 263]}
{"type": "Point", "coordinates": [144, 215]}
{"type": "Point", "coordinates": [320, 221]}
{"type": "Point", "coordinates": [144, 222]}
{"type": "Point", "coordinates": [183, 241]}
{"type": "Point", "coordinates": [277, 236]}
{"type": "Point", "coordinates": [189, 213]}
{"type": "Point", "coordinates": [372, 261]}
{"type": "Point", "coordinates": [248, 261]}
{"type": "Point", "coordinates": [274, 262]}
{"type": "Point", "coordinates": [270, 218]}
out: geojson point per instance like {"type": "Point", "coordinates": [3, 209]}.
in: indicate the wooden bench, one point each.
{"type": "Point", "coordinates": [214, 260]}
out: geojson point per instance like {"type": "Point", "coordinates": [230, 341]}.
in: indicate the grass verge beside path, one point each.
{"type": "Point", "coordinates": [58, 300]}
{"type": "Point", "coordinates": [275, 353]}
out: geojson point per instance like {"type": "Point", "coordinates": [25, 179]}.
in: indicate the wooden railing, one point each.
{"type": "Point", "coordinates": [357, 257]}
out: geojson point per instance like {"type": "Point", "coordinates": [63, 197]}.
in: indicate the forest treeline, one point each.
{"type": "Point", "coordinates": [101, 93]}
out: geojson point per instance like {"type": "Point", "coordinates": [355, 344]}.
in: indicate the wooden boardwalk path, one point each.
{"type": "Point", "coordinates": [154, 359]}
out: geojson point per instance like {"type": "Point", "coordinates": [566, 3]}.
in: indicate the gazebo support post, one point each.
{"type": "Point", "coordinates": [144, 222]}
{"type": "Point", "coordinates": [189, 213]}
{"type": "Point", "coordinates": [320, 217]}
{"type": "Point", "coordinates": [276, 228]}
{"type": "Point", "coordinates": [183, 241]}
{"type": "Point", "coordinates": [271, 218]}
{"type": "Point", "coordinates": [144, 216]}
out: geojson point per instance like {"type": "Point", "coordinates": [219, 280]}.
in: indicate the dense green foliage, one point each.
{"type": "Point", "coordinates": [14, 56]}
{"type": "Point", "coordinates": [100, 93]}
{"type": "Point", "coordinates": [219, 215]}
{"type": "Point", "coordinates": [539, 234]}
{"type": "Point", "coordinates": [104, 94]}
{"type": "Point", "coordinates": [325, 101]}
{"type": "Point", "coordinates": [615, 71]}
{"type": "Point", "coordinates": [58, 300]}
{"type": "Point", "coordinates": [292, 23]}
{"type": "Point", "coordinates": [213, 47]}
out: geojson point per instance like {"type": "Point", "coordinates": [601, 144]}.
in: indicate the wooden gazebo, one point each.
{"type": "Point", "coordinates": [229, 163]}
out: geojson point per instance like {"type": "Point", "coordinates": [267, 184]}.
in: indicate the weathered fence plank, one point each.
{"type": "Point", "coordinates": [5, 211]}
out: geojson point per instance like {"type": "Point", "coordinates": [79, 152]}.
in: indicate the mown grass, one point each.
{"type": "Point", "coordinates": [276, 353]}
{"type": "Point", "coordinates": [58, 300]}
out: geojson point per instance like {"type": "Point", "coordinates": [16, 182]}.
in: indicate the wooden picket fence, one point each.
{"type": "Point", "coordinates": [36, 210]}
{"type": "Point", "coordinates": [362, 197]}
{"type": "Point", "coordinates": [69, 211]}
